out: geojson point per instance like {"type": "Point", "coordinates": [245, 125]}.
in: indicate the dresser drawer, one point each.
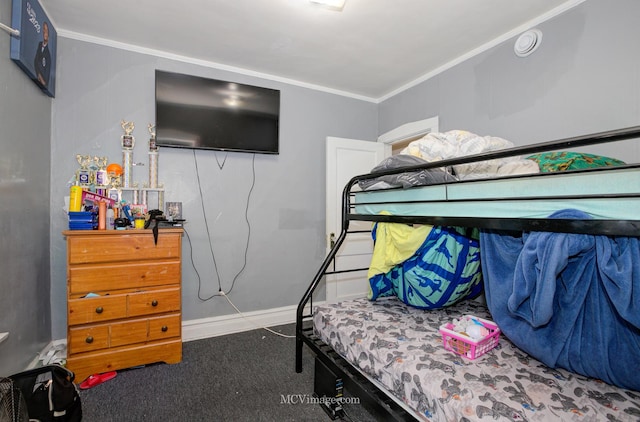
{"type": "Point", "coordinates": [84, 279]}
{"type": "Point", "coordinates": [165, 327]}
{"type": "Point", "coordinates": [86, 364]}
{"type": "Point", "coordinates": [154, 301]}
{"type": "Point", "coordinates": [129, 332]}
{"type": "Point", "coordinates": [102, 336]}
{"type": "Point", "coordinates": [86, 339]}
{"type": "Point", "coordinates": [97, 309]}
{"type": "Point", "coordinates": [87, 249]}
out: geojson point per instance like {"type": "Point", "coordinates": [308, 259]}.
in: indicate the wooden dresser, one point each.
{"type": "Point", "coordinates": [123, 299]}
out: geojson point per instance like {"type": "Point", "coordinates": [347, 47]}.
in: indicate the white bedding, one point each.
{"type": "Point", "coordinates": [459, 143]}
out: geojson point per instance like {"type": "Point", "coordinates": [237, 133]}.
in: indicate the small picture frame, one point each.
{"type": "Point", "coordinates": [174, 211]}
{"type": "Point", "coordinates": [114, 194]}
{"type": "Point", "coordinates": [138, 210]}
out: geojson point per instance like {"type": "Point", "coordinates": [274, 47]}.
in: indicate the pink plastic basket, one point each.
{"type": "Point", "coordinates": [464, 345]}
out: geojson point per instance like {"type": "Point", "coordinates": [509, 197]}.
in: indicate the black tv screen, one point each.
{"type": "Point", "coordinates": [202, 113]}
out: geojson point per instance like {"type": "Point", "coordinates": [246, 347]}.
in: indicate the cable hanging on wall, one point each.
{"type": "Point", "coordinates": [221, 292]}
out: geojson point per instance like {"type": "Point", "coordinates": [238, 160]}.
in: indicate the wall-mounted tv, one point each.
{"type": "Point", "coordinates": [203, 113]}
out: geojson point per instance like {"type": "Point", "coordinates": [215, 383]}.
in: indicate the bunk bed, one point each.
{"type": "Point", "coordinates": [391, 355]}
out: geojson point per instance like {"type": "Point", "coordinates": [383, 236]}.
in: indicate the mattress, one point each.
{"type": "Point", "coordinates": [610, 193]}
{"type": "Point", "coordinates": [400, 348]}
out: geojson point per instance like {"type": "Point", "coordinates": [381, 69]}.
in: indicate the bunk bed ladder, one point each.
{"type": "Point", "coordinates": [300, 312]}
{"type": "Point", "coordinates": [322, 271]}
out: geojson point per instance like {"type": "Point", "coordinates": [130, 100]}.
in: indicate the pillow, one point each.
{"type": "Point", "coordinates": [566, 160]}
{"type": "Point", "coordinates": [407, 179]}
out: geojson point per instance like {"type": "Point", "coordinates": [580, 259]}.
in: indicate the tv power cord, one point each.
{"type": "Point", "coordinates": [221, 293]}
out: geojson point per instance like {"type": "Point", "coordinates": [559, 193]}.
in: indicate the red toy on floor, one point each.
{"type": "Point", "coordinates": [97, 379]}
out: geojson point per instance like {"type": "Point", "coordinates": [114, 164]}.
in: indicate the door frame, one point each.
{"type": "Point", "coordinates": [399, 136]}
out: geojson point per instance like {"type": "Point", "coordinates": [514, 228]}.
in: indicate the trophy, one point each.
{"type": "Point", "coordinates": [153, 158]}
{"type": "Point", "coordinates": [128, 141]}
{"type": "Point", "coordinates": [152, 139]}
{"type": "Point", "coordinates": [83, 174]}
{"type": "Point", "coordinates": [101, 170]}
{"type": "Point", "coordinates": [114, 174]}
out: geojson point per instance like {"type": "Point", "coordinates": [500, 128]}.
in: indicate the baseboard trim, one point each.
{"type": "Point", "coordinates": [198, 329]}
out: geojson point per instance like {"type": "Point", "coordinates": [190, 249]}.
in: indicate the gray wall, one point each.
{"type": "Point", "coordinates": [584, 78]}
{"type": "Point", "coordinates": [98, 86]}
{"type": "Point", "coordinates": [25, 122]}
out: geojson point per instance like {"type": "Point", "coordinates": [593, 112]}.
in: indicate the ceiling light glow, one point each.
{"type": "Point", "coordinates": [233, 101]}
{"type": "Point", "coordinates": [330, 4]}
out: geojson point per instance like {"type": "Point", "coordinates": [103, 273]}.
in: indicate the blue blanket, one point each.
{"type": "Point", "coordinates": [568, 300]}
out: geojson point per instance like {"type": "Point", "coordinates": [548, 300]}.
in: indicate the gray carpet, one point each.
{"type": "Point", "coordinates": [238, 377]}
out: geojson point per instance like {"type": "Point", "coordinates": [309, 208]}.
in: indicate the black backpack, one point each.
{"type": "Point", "coordinates": [50, 394]}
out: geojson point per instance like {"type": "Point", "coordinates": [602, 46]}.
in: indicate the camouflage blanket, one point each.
{"type": "Point", "coordinates": [401, 348]}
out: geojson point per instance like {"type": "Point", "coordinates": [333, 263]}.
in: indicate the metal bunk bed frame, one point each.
{"type": "Point", "coordinates": [354, 381]}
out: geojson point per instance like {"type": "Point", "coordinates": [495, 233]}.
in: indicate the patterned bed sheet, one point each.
{"type": "Point", "coordinates": [401, 348]}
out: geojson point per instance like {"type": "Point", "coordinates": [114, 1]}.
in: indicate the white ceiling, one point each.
{"type": "Point", "coordinates": [371, 49]}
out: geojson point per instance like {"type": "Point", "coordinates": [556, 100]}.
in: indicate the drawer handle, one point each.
{"type": "Point", "coordinates": [164, 328]}
{"type": "Point", "coordinates": [89, 340]}
{"type": "Point", "coordinates": [99, 310]}
{"type": "Point", "coordinates": [154, 303]}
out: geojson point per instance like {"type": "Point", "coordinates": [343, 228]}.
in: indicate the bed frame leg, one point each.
{"type": "Point", "coordinates": [299, 345]}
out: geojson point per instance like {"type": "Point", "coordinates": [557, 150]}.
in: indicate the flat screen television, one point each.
{"type": "Point", "coordinates": [203, 113]}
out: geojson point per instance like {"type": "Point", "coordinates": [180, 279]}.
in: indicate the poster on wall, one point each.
{"type": "Point", "coordinates": [35, 49]}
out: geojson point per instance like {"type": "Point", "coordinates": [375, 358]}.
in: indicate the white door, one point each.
{"type": "Point", "coordinates": [347, 158]}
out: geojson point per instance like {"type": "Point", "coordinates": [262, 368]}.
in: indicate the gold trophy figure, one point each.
{"type": "Point", "coordinates": [83, 174]}
{"type": "Point", "coordinates": [128, 141]}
